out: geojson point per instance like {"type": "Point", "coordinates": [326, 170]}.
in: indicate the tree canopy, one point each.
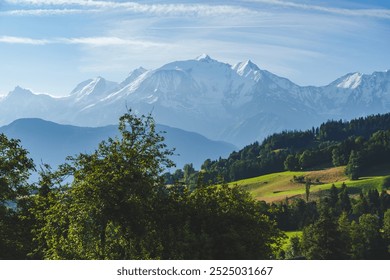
{"type": "Point", "coordinates": [116, 206]}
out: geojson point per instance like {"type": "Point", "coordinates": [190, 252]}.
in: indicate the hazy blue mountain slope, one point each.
{"type": "Point", "coordinates": [51, 143]}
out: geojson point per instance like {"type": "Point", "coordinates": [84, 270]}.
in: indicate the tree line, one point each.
{"type": "Point", "coordinates": [358, 144]}
{"type": "Point", "coordinates": [337, 225]}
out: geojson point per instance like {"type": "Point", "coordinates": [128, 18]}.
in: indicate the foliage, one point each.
{"type": "Point", "coordinates": [117, 207]}
{"type": "Point", "coordinates": [321, 239]}
{"type": "Point", "coordinates": [331, 144]}
{"type": "Point", "coordinates": [337, 233]}
{"type": "Point", "coordinates": [354, 166]}
{"type": "Point", "coordinates": [15, 168]}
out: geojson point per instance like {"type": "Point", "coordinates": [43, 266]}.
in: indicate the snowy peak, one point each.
{"type": "Point", "coordinates": [204, 57]}
{"type": "Point", "coordinates": [20, 92]}
{"type": "Point", "coordinates": [243, 67]}
{"type": "Point", "coordinates": [350, 81]}
{"type": "Point", "coordinates": [133, 76]}
{"type": "Point", "coordinates": [93, 89]}
{"type": "Point", "coordinates": [247, 69]}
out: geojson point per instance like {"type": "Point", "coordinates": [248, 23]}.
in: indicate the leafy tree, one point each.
{"type": "Point", "coordinates": [294, 249]}
{"type": "Point", "coordinates": [353, 168]}
{"type": "Point", "coordinates": [306, 159]}
{"type": "Point", "coordinates": [188, 171]}
{"type": "Point", "coordinates": [104, 213]}
{"type": "Point", "coordinates": [321, 240]}
{"type": "Point", "coordinates": [338, 157]}
{"type": "Point", "coordinates": [116, 207]}
{"type": "Point", "coordinates": [229, 224]}
{"type": "Point", "coordinates": [302, 214]}
{"type": "Point", "coordinates": [15, 168]}
{"type": "Point", "coordinates": [367, 242]}
{"type": "Point", "coordinates": [291, 163]}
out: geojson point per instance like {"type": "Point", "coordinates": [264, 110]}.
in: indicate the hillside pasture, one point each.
{"type": "Point", "coordinates": [279, 186]}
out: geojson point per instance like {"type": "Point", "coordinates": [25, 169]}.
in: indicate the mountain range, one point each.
{"type": "Point", "coordinates": [49, 142]}
{"type": "Point", "coordinates": [238, 103]}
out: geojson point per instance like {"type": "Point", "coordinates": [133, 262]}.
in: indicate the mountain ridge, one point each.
{"type": "Point", "coordinates": [238, 103]}
{"type": "Point", "coordinates": [51, 143]}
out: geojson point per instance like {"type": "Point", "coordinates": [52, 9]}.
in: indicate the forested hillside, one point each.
{"type": "Point", "coordinates": [358, 143]}
{"type": "Point", "coordinates": [337, 223]}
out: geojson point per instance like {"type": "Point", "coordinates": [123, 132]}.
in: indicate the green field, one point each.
{"type": "Point", "coordinates": [278, 186]}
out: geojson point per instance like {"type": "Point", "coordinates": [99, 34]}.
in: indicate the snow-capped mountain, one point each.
{"type": "Point", "coordinates": [22, 102]}
{"type": "Point", "coordinates": [92, 90]}
{"type": "Point", "coordinates": [237, 103]}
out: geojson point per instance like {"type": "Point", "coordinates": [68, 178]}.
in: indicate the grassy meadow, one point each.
{"type": "Point", "coordinates": [279, 186]}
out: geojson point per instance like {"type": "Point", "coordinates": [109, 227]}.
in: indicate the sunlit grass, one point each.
{"type": "Point", "coordinates": [279, 186]}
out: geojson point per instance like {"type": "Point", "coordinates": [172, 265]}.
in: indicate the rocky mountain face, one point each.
{"type": "Point", "coordinates": [236, 103]}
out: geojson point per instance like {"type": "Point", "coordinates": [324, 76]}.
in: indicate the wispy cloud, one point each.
{"type": "Point", "coordinates": [23, 40]}
{"type": "Point", "coordinates": [157, 9]}
{"type": "Point", "coordinates": [109, 41]}
{"type": "Point", "coordinates": [90, 41]}
{"type": "Point", "coordinates": [378, 13]}
{"type": "Point", "coordinates": [46, 12]}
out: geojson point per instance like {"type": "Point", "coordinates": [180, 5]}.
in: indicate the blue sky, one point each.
{"type": "Point", "coordinates": [50, 46]}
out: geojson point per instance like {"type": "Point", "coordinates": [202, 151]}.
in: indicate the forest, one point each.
{"type": "Point", "coordinates": [117, 202]}
{"type": "Point", "coordinates": [359, 143]}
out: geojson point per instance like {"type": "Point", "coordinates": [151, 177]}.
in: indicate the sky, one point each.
{"type": "Point", "coordinates": [49, 46]}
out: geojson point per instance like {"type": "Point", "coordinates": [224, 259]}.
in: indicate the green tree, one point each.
{"type": "Point", "coordinates": [230, 224]}
{"type": "Point", "coordinates": [333, 198]}
{"type": "Point", "coordinates": [345, 202]}
{"type": "Point", "coordinates": [15, 169]}
{"type": "Point", "coordinates": [116, 207]}
{"type": "Point", "coordinates": [306, 159]}
{"type": "Point", "coordinates": [321, 240]}
{"type": "Point", "coordinates": [189, 175]}
{"type": "Point", "coordinates": [307, 189]}
{"type": "Point", "coordinates": [344, 229]}
{"type": "Point", "coordinates": [338, 157]}
{"type": "Point", "coordinates": [104, 213]}
{"type": "Point", "coordinates": [367, 242]}
{"type": "Point", "coordinates": [294, 249]}
{"type": "Point", "coordinates": [354, 165]}
{"type": "Point", "coordinates": [291, 163]}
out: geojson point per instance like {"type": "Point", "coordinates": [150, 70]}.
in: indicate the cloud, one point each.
{"type": "Point", "coordinates": [46, 12]}
{"type": "Point", "coordinates": [85, 6]}
{"type": "Point", "coordinates": [157, 9]}
{"type": "Point", "coordinates": [22, 40]}
{"type": "Point", "coordinates": [378, 13]}
{"type": "Point", "coordinates": [89, 41]}
{"type": "Point", "coordinates": [109, 41]}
